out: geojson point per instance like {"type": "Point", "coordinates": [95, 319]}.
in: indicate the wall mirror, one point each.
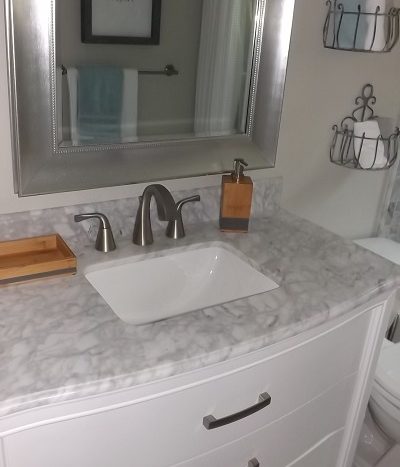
{"type": "Point", "coordinates": [115, 92]}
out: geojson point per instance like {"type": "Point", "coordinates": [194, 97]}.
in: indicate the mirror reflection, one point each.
{"type": "Point", "coordinates": [181, 71]}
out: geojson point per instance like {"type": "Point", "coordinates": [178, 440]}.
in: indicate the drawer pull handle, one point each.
{"type": "Point", "coordinates": [210, 422]}
{"type": "Point", "coordinates": [253, 463]}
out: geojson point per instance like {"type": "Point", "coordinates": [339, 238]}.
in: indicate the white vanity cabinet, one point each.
{"type": "Point", "coordinates": [1, 456]}
{"type": "Point", "coordinates": [318, 383]}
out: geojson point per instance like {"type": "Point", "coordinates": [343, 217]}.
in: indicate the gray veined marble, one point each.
{"type": "Point", "coordinates": [60, 341]}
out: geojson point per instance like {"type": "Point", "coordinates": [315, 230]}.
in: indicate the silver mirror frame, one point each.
{"type": "Point", "coordinates": [41, 166]}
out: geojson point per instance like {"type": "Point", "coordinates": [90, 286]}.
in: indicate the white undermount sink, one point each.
{"type": "Point", "coordinates": [143, 291]}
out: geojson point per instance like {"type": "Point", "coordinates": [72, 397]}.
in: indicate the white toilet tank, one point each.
{"type": "Point", "coordinates": [385, 402]}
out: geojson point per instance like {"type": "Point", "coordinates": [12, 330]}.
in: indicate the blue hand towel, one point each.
{"type": "Point", "coordinates": [100, 90]}
{"type": "Point", "coordinates": [349, 25]}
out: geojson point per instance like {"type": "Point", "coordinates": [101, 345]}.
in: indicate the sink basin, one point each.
{"type": "Point", "coordinates": [143, 291]}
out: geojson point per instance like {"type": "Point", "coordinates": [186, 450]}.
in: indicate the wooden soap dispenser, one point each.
{"type": "Point", "coordinates": [236, 197]}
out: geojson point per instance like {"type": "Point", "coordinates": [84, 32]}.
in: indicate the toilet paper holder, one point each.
{"type": "Point", "coordinates": [360, 151]}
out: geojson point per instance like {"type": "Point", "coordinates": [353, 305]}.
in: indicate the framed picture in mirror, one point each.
{"type": "Point", "coordinates": [121, 21]}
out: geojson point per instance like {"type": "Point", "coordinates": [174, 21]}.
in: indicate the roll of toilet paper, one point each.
{"type": "Point", "coordinates": [368, 148]}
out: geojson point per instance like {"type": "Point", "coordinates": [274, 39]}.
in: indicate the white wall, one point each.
{"type": "Point", "coordinates": [321, 87]}
{"type": "Point", "coordinates": [320, 91]}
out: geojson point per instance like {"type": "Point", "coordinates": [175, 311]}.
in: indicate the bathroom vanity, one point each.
{"type": "Point", "coordinates": [281, 378]}
{"type": "Point", "coordinates": [316, 383]}
{"type": "Point", "coordinates": [276, 379]}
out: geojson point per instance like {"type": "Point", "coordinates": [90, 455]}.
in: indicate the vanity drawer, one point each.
{"type": "Point", "coordinates": [167, 429]}
{"type": "Point", "coordinates": [302, 438]}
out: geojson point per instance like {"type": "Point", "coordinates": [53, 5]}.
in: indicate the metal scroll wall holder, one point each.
{"type": "Point", "coordinates": [347, 148]}
{"type": "Point", "coordinates": [345, 30]}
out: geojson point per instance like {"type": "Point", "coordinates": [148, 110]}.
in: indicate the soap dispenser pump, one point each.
{"type": "Point", "coordinates": [236, 198]}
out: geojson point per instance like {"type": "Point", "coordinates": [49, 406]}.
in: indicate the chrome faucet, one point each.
{"type": "Point", "coordinates": [142, 233]}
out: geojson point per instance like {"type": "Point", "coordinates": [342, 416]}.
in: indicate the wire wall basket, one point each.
{"type": "Point", "coordinates": [358, 142]}
{"type": "Point", "coordinates": [359, 30]}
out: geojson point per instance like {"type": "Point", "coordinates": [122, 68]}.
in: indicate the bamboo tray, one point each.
{"type": "Point", "coordinates": [35, 258]}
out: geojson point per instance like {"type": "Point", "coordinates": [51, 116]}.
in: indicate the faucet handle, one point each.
{"type": "Point", "coordinates": [175, 227]}
{"type": "Point", "coordinates": [105, 239]}
{"type": "Point", "coordinates": [182, 202]}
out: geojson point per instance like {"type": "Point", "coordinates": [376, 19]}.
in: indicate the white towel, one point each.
{"type": "Point", "coordinates": [365, 152]}
{"type": "Point", "coordinates": [379, 41]}
{"type": "Point", "coordinates": [73, 104]}
{"type": "Point", "coordinates": [129, 105]}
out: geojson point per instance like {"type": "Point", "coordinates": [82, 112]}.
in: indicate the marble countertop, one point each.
{"type": "Point", "coordinates": [59, 340]}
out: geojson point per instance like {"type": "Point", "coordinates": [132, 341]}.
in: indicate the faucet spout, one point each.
{"type": "Point", "coordinates": [142, 233]}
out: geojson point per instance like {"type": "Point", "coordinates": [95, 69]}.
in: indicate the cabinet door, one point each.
{"type": "Point", "coordinates": [323, 455]}
{"type": "Point", "coordinates": [168, 429]}
{"type": "Point", "coordinates": [275, 445]}
{"type": "Point", "coordinates": [285, 442]}
{"type": "Point", "coordinates": [1, 455]}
